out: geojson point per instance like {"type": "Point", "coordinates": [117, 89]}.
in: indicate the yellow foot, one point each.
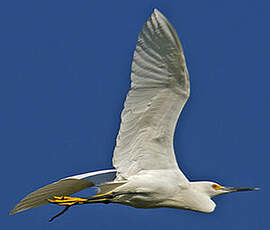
{"type": "Point", "coordinates": [67, 200]}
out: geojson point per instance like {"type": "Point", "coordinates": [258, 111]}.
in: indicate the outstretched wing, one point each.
{"type": "Point", "coordinates": [159, 91]}
{"type": "Point", "coordinates": [64, 187]}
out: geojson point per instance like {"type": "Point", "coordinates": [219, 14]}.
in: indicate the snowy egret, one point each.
{"type": "Point", "coordinates": [146, 173]}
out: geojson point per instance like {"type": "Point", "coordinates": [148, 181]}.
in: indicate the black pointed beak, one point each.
{"type": "Point", "coordinates": [239, 189]}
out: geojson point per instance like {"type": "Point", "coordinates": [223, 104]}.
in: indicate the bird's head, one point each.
{"type": "Point", "coordinates": [213, 189]}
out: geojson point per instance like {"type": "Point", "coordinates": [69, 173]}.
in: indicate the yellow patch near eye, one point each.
{"type": "Point", "coordinates": [217, 186]}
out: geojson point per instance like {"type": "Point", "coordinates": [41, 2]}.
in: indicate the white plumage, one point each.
{"type": "Point", "coordinates": [146, 173]}
{"type": "Point", "coordinates": [159, 91]}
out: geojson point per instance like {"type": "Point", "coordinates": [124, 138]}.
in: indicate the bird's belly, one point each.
{"type": "Point", "coordinates": [146, 191]}
{"type": "Point", "coordinates": [143, 200]}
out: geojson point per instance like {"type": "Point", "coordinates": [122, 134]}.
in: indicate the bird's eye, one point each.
{"type": "Point", "coordinates": [216, 186]}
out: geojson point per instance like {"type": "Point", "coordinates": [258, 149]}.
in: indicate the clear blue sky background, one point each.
{"type": "Point", "coordinates": [64, 74]}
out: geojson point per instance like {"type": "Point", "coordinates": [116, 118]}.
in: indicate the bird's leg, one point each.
{"type": "Point", "coordinates": [60, 213]}
{"type": "Point", "coordinates": [66, 201]}
{"type": "Point", "coordinates": [70, 201]}
{"type": "Point", "coordinates": [103, 198]}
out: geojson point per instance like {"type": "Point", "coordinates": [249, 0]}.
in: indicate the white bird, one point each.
{"type": "Point", "coordinates": [146, 173]}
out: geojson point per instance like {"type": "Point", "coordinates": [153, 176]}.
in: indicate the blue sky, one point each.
{"type": "Point", "coordinates": [64, 75]}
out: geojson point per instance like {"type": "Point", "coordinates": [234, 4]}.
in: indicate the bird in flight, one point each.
{"type": "Point", "coordinates": [146, 173]}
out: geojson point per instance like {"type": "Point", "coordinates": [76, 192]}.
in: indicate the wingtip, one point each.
{"type": "Point", "coordinates": [12, 212]}
{"type": "Point", "coordinates": [15, 210]}
{"type": "Point", "coordinates": [157, 14]}
{"type": "Point", "coordinates": [156, 11]}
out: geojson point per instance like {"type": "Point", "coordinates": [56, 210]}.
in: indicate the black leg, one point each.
{"type": "Point", "coordinates": [60, 213]}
